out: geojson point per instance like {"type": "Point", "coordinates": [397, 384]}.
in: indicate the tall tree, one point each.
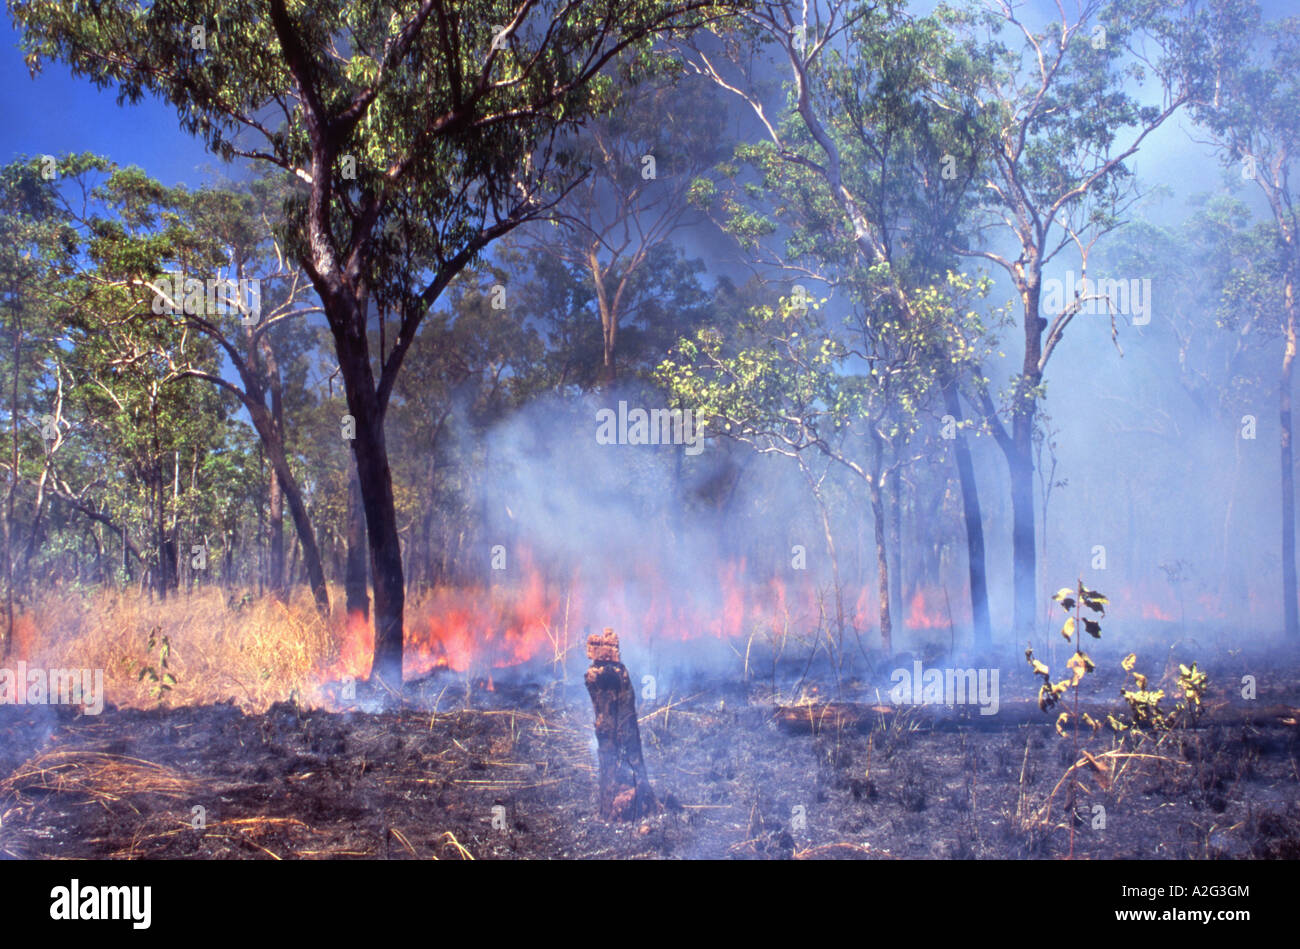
{"type": "Point", "coordinates": [1057, 121]}
{"type": "Point", "coordinates": [853, 162]}
{"type": "Point", "coordinates": [615, 227]}
{"type": "Point", "coordinates": [204, 264]}
{"type": "Point", "coordinates": [421, 132]}
{"type": "Point", "coordinates": [33, 246]}
{"type": "Point", "coordinates": [223, 237]}
{"type": "Point", "coordinates": [1245, 77]}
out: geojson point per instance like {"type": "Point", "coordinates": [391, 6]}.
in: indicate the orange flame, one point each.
{"type": "Point", "coordinates": [1154, 611]}
{"type": "Point", "coordinates": [921, 615]}
{"type": "Point", "coordinates": [536, 618]}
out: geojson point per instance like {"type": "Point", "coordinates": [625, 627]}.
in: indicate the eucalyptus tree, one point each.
{"type": "Point", "coordinates": [258, 320]}
{"type": "Point", "coordinates": [33, 245]}
{"type": "Point", "coordinates": [121, 401]}
{"type": "Point", "coordinates": [614, 231]}
{"type": "Point", "coordinates": [788, 382]}
{"type": "Point", "coordinates": [39, 252]}
{"type": "Point", "coordinates": [1245, 80]}
{"type": "Point", "coordinates": [1056, 111]}
{"type": "Point", "coordinates": [421, 131]}
{"type": "Point", "coordinates": [175, 280]}
{"type": "Point", "coordinates": [70, 351]}
{"type": "Point", "coordinates": [859, 181]}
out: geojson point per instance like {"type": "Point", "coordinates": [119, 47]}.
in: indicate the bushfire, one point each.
{"type": "Point", "coordinates": [542, 618]}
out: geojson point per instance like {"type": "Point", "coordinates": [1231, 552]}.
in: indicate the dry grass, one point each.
{"type": "Point", "coordinates": [97, 776]}
{"type": "Point", "coordinates": [255, 654]}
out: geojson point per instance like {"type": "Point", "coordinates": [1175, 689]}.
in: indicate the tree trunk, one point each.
{"type": "Point", "coordinates": [160, 529]}
{"type": "Point", "coordinates": [275, 504]}
{"type": "Point", "coordinates": [895, 541]}
{"type": "Point", "coordinates": [882, 567]}
{"type": "Point", "coordinates": [174, 531]}
{"type": "Point", "coordinates": [1020, 458]}
{"type": "Point", "coordinates": [273, 446]}
{"type": "Point", "coordinates": [1023, 543]}
{"type": "Point", "coordinates": [608, 319]}
{"type": "Point", "coordinates": [291, 576]}
{"type": "Point", "coordinates": [370, 451]}
{"type": "Point", "coordinates": [275, 519]}
{"type": "Point", "coordinates": [357, 581]}
{"type": "Point", "coordinates": [13, 487]}
{"type": "Point", "coordinates": [292, 494]}
{"type": "Point", "coordinates": [624, 788]}
{"type": "Point", "coordinates": [1288, 469]}
{"type": "Point", "coordinates": [974, 520]}
{"type": "Point", "coordinates": [829, 535]}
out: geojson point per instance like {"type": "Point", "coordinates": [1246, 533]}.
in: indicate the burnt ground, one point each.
{"type": "Point", "coordinates": [509, 774]}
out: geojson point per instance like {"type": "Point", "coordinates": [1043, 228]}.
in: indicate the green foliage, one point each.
{"type": "Point", "coordinates": [1146, 714]}
{"type": "Point", "coordinates": [1144, 702]}
{"type": "Point", "coordinates": [157, 672]}
{"type": "Point", "coordinates": [147, 460]}
{"type": "Point", "coordinates": [1080, 663]}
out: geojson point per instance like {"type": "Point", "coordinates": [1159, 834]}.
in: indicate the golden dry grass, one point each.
{"type": "Point", "coordinates": [255, 654]}
{"type": "Point", "coordinates": [96, 775]}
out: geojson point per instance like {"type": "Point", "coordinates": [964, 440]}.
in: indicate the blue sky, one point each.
{"type": "Point", "coordinates": [57, 113]}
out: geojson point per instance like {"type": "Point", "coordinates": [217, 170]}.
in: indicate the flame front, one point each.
{"type": "Point", "coordinates": [544, 616]}
{"type": "Point", "coordinates": [541, 618]}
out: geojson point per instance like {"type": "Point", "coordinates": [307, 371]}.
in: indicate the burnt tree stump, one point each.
{"type": "Point", "coordinates": [625, 792]}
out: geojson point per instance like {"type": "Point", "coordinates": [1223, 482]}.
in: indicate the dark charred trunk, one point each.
{"type": "Point", "coordinates": [357, 579]}
{"type": "Point", "coordinates": [371, 455]}
{"type": "Point", "coordinates": [625, 792]}
{"type": "Point", "coordinates": [974, 521]}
